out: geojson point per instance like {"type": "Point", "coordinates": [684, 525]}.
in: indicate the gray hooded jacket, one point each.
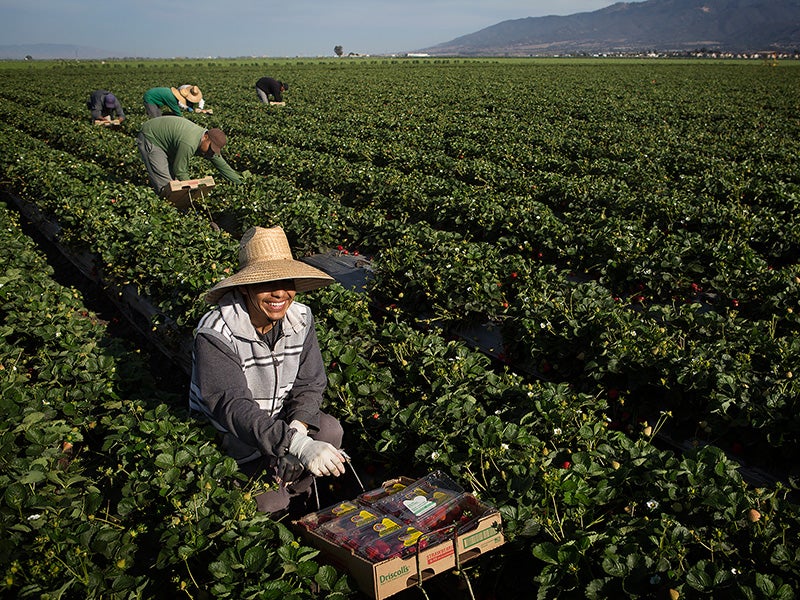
{"type": "Point", "coordinates": [250, 392]}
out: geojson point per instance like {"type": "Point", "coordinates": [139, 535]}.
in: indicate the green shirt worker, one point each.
{"type": "Point", "coordinates": [166, 145]}
{"type": "Point", "coordinates": [173, 100]}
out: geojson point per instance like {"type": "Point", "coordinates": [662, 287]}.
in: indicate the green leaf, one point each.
{"type": "Point", "coordinates": [765, 585]}
{"type": "Point", "coordinates": [614, 566]}
{"type": "Point", "coordinates": [255, 558]}
{"type": "Point", "coordinates": [349, 356]}
{"type": "Point", "coordinates": [326, 577]}
{"type": "Point", "coordinates": [546, 551]}
{"type": "Point", "coordinates": [15, 495]}
{"type": "Point", "coordinates": [164, 461]}
{"type": "Point", "coordinates": [127, 506]}
{"type": "Point", "coordinates": [182, 458]}
{"type": "Point", "coordinates": [307, 568]}
{"type": "Point", "coordinates": [33, 417]}
{"type": "Point", "coordinates": [221, 570]}
{"type": "Point", "coordinates": [596, 589]}
{"type": "Point", "coordinates": [32, 477]}
{"type": "Point", "coordinates": [123, 582]}
{"type": "Point", "coordinates": [781, 555]}
{"type": "Point", "coordinates": [698, 578]}
{"type": "Point", "coordinates": [286, 536]}
{"type": "Point", "coordinates": [785, 592]}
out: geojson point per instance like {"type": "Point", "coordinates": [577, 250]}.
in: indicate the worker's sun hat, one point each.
{"type": "Point", "coordinates": [191, 92]}
{"type": "Point", "coordinates": [110, 100]}
{"type": "Point", "coordinates": [217, 138]}
{"type": "Point", "coordinates": [186, 94]}
{"type": "Point", "coordinates": [264, 256]}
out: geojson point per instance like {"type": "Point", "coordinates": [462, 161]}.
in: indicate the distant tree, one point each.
{"type": "Point", "coordinates": [338, 50]}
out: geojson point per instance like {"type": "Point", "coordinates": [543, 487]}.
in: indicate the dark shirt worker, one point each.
{"type": "Point", "coordinates": [267, 86]}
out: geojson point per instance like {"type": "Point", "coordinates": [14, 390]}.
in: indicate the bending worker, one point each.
{"type": "Point", "coordinates": [258, 374]}
{"type": "Point", "coordinates": [267, 86]}
{"type": "Point", "coordinates": [173, 100]}
{"type": "Point", "coordinates": [194, 98]}
{"type": "Point", "coordinates": [104, 106]}
{"type": "Point", "coordinates": [166, 144]}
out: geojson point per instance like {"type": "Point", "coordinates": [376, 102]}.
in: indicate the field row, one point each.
{"type": "Point", "coordinates": [657, 279]}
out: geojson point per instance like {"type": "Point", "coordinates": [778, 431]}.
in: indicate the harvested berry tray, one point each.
{"type": "Point", "coordinates": [406, 531]}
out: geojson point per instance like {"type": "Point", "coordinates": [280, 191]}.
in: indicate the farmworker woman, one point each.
{"type": "Point", "coordinates": [173, 100]}
{"type": "Point", "coordinates": [104, 106]}
{"type": "Point", "coordinates": [194, 92]}
{"type": "Point", "coordinates": [166, 145]}
{"type": "Point", "coordinates": [267, 86]}
{"type": "Point", "coordinates": [258, 376]}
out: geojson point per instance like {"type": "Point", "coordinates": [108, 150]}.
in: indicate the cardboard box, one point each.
{"type": "Point", "coordinates": [434, 551]}
{"type": "Point", "coordinates": [182, 193]}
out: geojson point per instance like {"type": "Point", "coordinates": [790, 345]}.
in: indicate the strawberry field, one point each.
{"type": "Point", "coordinates": [623, 233]}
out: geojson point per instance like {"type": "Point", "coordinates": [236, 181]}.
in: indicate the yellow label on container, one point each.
{"type": "Point", "coordinates": [385, 526]}
{"type": "Point", "coordinates": [362, 517]}
{"type": "Point", "coordinates": [344, 507]}
{"type": "Point", "coordinates": [410, 537]}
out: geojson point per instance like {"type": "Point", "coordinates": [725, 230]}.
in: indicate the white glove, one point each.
{"type": "Point", "coordinates": [299, 426]}
{"type": "Point", "coordinates": [321, 458]}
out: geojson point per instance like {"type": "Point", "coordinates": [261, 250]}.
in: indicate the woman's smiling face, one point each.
{"type": "Point", "coordinates": [268, 302]}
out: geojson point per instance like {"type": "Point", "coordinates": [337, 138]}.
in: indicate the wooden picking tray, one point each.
{"type": "Point", "coordinates": [182, 193]}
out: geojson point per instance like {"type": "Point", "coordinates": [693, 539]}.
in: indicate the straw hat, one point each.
{"type": "Point", "coordinates": [186, 93]}
{"type": "Point", "coordinates": [264, 255]}
{"type": "Point", "coordinates": [191, 92]}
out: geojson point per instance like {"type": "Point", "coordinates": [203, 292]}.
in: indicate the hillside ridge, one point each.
{"type": "Point", "coordinates": [742, 26]}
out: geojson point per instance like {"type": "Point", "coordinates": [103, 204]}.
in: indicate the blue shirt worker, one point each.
{"type": "Point", "coordinates": [104, 106]}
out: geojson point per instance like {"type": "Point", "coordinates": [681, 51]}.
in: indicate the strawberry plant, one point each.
{"type": "Point", "coordinates": [109, 491]}
{"type": "Point", "coordinates": [624, 228]}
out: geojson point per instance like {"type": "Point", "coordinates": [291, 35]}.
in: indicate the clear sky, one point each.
{"type": "Point", "coordinates": [229, 28]}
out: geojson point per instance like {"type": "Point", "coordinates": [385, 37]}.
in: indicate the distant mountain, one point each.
{"type": "Point", "coordinates": [52, 51]}
{"type": "Point", "coordinates": [654, 25]}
